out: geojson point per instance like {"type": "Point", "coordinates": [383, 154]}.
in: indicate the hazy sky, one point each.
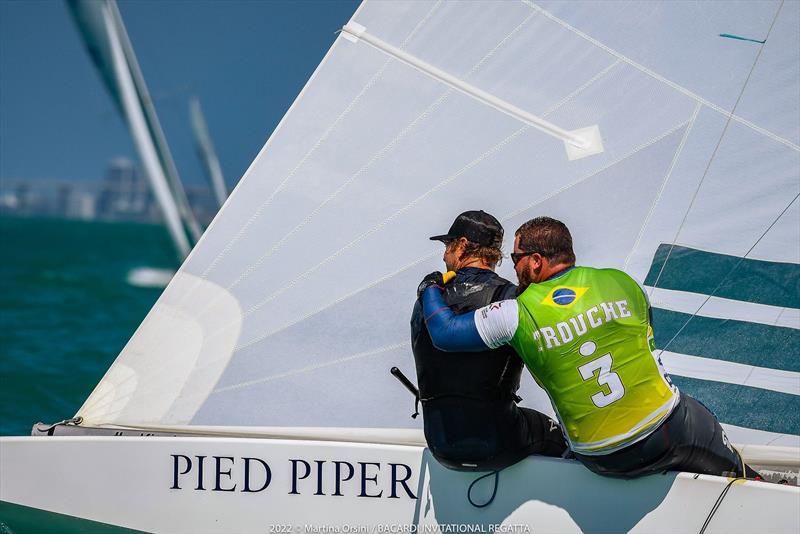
{"type": "Point", "coordinates": [245, 60]}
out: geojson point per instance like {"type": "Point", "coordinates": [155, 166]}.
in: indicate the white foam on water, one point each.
{"type": "Point", "coordinates": [149, 277]}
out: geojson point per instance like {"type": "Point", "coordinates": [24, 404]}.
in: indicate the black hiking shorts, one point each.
{"type": "Point", "coordinates": [488, 435]}
{"type": "Point", "coordinates": [690, 439]}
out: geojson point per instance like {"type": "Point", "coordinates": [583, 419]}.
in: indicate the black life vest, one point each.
{"type": "Point", "coordinates": [483, 376]}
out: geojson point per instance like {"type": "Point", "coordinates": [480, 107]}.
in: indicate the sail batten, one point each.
{"type": "Point", "coordinates": [576, 140]}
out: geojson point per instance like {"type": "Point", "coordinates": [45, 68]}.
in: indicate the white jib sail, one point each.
{"type": "Point", "coordinates": [295, 304]}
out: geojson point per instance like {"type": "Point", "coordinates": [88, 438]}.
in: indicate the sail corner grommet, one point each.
{"type": "Point", "coordinates": [592, 143]}
{"type": "Point", "coordinates": [352, 31]}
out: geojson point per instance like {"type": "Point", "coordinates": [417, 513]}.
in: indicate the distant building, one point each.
{"type": "Point", "coordinates": [124, 194]}
{"type": "Point", "coordinates": [63, 198]}
{"type": "Point", "coordinates": [82, 206]}
{"type": "Point", "coordinates": [24, 203]}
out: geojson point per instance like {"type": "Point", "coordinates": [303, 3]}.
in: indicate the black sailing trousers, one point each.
{"type": "Point", "coordinates": [690, 439]}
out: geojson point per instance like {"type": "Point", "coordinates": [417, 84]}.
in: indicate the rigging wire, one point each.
{"type": "Point", "coordinates": [724, 278]}
{"type": "Point", "coordinates": [702, 179]}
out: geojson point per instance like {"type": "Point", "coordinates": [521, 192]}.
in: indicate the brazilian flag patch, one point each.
{"type": "Point", "coordinates": [564, 296]}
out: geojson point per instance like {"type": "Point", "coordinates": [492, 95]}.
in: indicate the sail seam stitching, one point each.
{"type": "Point", "coordinates": [582, 88]}
{"type": "Point", "coordinates": [408, 128]}
{"type": "Point", "coordinates": [442, 184]}
{"type": "Point", "coordinates": [472, 164]}
{"type": "Point", "coordinates": [364, 168]}
{"type": "Point", "coordinates": [663, 184]}
{"type": "Point", "coordinates": [499, 45]}
{"type": "Point", "coordinates": [780, 315]}
{"type": "Point", "coordinates": [582, 179]}
{"type": "Point", "coordinates": [662, 79]}
{"type": "Point", "coordinates": [397, 213]}
{"type": "Point", "coordinates": [294, 170]}
{"type": "Point", "coordinates": [372, 81]}
{"type": "Point", "coordinates": [310, 368]}
{"type": "Point", "coordinates": [385, 149]}
{"type": "Point", "coordinates": [335, 302]}
{"type": "Point", "coordinates": [380, 154]}
{"type": "Point", "coordinates": [386, 221]}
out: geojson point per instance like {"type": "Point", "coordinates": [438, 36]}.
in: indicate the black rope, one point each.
{"type": "Point", "coordinates": [494, 491]}
{"type": "Point", "coordinates": [718, 503]}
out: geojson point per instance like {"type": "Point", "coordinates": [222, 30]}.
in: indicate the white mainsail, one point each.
{"type": "Point", "coordinates": [295, 303]}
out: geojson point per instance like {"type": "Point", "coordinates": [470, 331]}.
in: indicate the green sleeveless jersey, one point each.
{"type": "Point", "coordinates": [586, 338]}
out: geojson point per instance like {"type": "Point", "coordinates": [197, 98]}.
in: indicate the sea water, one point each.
{"type": "Point", "coordinates": [67, 309]}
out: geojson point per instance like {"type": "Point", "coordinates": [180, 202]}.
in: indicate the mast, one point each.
{"type": "Point", "coordinates": [205, 149]}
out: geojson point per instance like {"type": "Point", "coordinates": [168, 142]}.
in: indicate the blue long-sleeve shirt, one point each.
{"type": "Point", "coordinates": [494, 325]}
{"type": "Point", "coordinates": [448, 331]}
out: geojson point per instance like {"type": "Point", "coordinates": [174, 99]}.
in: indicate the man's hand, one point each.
{"type": "Point", "coordinates": [433, 279]}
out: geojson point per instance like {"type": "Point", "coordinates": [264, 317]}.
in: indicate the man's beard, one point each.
{"type": "Point", "coordinates": [527, 277]}
{"type": "Point", "coordinates": [524, 282]}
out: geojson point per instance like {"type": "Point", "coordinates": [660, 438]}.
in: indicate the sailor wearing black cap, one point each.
{"type": "Point", "coordinates": [471, 418]}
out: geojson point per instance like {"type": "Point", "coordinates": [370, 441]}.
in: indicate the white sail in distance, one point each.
{"type": "Point", "coordinates": [295, 304]}
{"type": "Point", "coordinates": [205, 148]}
{"type": "Point", "coordinates": [104, 34]}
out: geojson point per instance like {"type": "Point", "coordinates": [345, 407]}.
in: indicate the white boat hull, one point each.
{"type": "Point", "coordinates": [224, 484]}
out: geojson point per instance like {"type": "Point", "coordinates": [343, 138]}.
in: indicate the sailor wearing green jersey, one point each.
{"type": "Point", "coordinates": [585, 335]}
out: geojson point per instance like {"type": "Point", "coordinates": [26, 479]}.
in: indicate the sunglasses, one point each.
{"type": "Point", "coordinates": [516, 257]}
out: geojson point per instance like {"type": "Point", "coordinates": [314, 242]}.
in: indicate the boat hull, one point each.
{"type": "Point", "coordinates": [281, 486]}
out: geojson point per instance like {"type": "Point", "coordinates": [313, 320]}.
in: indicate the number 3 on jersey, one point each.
{"type": "Point", "coordinates": [605, 378]}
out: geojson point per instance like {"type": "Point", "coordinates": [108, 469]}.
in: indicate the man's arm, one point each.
{"type": "Point", "coordinates": [486, 328]}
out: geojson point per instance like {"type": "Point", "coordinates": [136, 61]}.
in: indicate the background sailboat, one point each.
{"type": "Point", "coordinates": [105, 37]}
{"type": "Point", "coordinates": [287, 316]}
{"type": "Point", "coordinates": [205, 149]}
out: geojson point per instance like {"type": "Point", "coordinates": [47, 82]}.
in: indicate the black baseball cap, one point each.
{"type": "Point", "coordinates": [477, 226]}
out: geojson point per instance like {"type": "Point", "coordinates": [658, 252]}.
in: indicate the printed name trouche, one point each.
{"type": "Point", "coordinates": [566, 331]}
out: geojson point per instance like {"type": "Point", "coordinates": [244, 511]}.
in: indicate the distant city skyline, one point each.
{"type": "Point", "coordinates": [246, 61]}
{"type": "Point", "coordinates": [122, 194]}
